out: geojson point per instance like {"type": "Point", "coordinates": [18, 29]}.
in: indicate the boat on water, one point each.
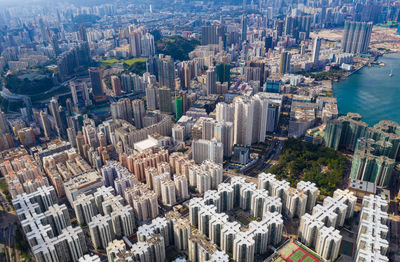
{"type": "Point", "coordinates": [382, 64]}
{"type": "Point", "coordinates": [391, 73]}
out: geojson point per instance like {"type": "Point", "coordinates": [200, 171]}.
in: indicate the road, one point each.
{"type": "Point", "coordinates": [8, 230]}
{"type": "Point", "coordinates": [9, 243]}
{"type": "Point", "coordinates": [268, 159]}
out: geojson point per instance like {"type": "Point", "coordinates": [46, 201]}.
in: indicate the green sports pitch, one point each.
{"type": "Point", "coordinates": [293, 252]}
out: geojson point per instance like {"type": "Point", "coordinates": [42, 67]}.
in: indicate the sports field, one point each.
{"type": "Point", "coordinates": [292, 252]}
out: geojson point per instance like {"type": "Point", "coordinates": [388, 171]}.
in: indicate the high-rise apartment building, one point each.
{"type": "Point", "coordinates": [122, 109]}
{"type": "Point", "coordinates": [181, 186]}
{"type": "Point", "coordinates": [211, 34]}
{"type": "Point", "coordinates": [211, 81]}
{"type": "Point", "coordinates": [4, 128]}
{"type": "Point", "coordinates": [207, 150]}
{"type": "Point", "coordinates": [45, 124]}
{"type": "Point", "coordinates": [59, 116]}
{"type": "Point", "coordinates": [82, 34]}
{"type": "Point", "coordinates": [126, 83]}
{"type": "Point", "coordinates": [372, 239]}
{"type": "Point", "coordinates": [141, 43]}
{"type": "Point", "coordinates": [356, 37]}
{"type": "Point", "coordinates": [250, 119]}
{"type": "Point", "coordinates": [101, 231]}
{"type": "Point", "coordinates": [225, 112]}
{"type": "Point", "coordinates": [284, 64]}
{"type": "Point", "coordinates": [151, 97]}
{"type": "Point", "coordinates": [243, 122]}
{"type": "Point", "coordinates": [371, 164]}
{"type": "Point", "coordinates": [74, 93]}
{"type": "Point", "coordinates": [295, 26]}
{"type": "Point", "coordinates": [97, 84]}
{"type": "Point", "coordinates": [138, 113]}
{"type": "Point", "coordinates": [179, 107]}
{"type": "Point", "coordinates": [243, 26]}
{"type": "Point", "coordinates": [316, 50]}
{"type": "Point", "coordinates": [46, 227]}
{"type": "Point", "coordinates": [168, 193]}
{"type": "Point", "coordinates": [166, 71]}
{"type": "Point", "coordinates": [328, 243]}
{"type": "Point", "coordinates": [116, 85]}
{"type": "Point", "coordinates": [311, 190]}
{"type": "Point", "coordinates": [223, 73]}
{"type": "Point", "coordinates": [223, 132]}
{"type": "Point", "coordinates": [345, 131]}
{"type": "Point", "coordinates": [164, 100]}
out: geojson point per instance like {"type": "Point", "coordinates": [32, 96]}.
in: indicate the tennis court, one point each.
{"type": "Point", "coordinates": [297, 255]}
{"type": "Point", "coordinates": [291, 252]}
{"type": "Point", "coordinates": [288, 249]}
{"type": "Point", "coordinates": [308, 259]}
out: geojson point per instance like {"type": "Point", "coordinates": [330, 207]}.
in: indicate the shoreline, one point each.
{"type": "Point", "coordinates": [374, 63]}
{"type": "Point", "coordinates": [374, 59]}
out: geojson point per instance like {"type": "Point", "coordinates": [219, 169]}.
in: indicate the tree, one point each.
{"type": "Point", "coordinates": [304, 161]}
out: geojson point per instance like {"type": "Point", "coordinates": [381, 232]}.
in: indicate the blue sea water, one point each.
{"type": "Point", "coordinates": [372, 92]}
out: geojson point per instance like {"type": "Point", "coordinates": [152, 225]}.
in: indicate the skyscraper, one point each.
{"type": "Point", "coordinates": [268, 43]}
{"type": "Point", "coordinates": [134, 44]}
{"type": "Point", "coordinates": [101, 231]}
{"type": "Point", "coordinates": [168, 192]}
{"type": "Point", "coordinates": [166, 71]}
{"type": "Point", "coordinates": [151, 97]}
{"type": "Point", "coordinates": [122, 109]}
{"type": "Point", "coordinates": [371, 164]}
{"type": "Point", "coordinates": [116, 85]}
{"type": "Point", "coordinates": [223, 73]}
{"type": "Point", "coordinates": [284, 65]}
{"type": "Point", "coordinates": [273, 114]}
{"type": "Point", "coordinates": [164, 95]}
{"type": "Point", "coordinates": [43, 30]}
{"type": "Point", "coordinates": [141, 43]}
{"type": "Point", "coordinates": [223, 132]}
{"type": "Point", "coordinates": [344, 132]}
{"type": "Point", "coordinates": [356, 37]}
{"type": "Point", "coordinates": [211, 81]}
{"type": "Point", "coordinates": [54, 43]}
{"type": "Point", "coordinates": [82, 35]}
{"type": "Point", "coordinates": [85, 93]}
{"type": "Point", "coordinates": [188, 72]}
{"type": "Point", "coordinates": [243, 122]}
{"type": "Point", "coordinates": [44, 121]}
{"type": "Point", "coordinates": [56, 113]}
{"type": "Point", "coordinates": [71, 136]}
{"type": "Point", "coordinates": [211, 34]}
{"type": "Point", "coordinates": [315, 51]}
{"type": "Point", "coordinates": [225, 112]}
{"type": "Point", "coordinates": [138, 113]}
{"type": "Point", "coordinates": [328, 243]}
{"type": "Point", "coordinates": [294, 25]}
{"type": "Point", "coordinates": [179, 107]}
{"type": "Point", "coordinates": [3, 123]}
{"type": "Point", "coordinates": [207, 150]}
{"type": "Point", "coordinates": [74, 93]}
{"type": "Point", "coordinates": [181, 186]}
{"type": "Point", "coordinates": [243, 25]}
{"type": "Point", "coordinates": [97, 84]}
{"type": "Point", "coordinates": [126, 83]}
